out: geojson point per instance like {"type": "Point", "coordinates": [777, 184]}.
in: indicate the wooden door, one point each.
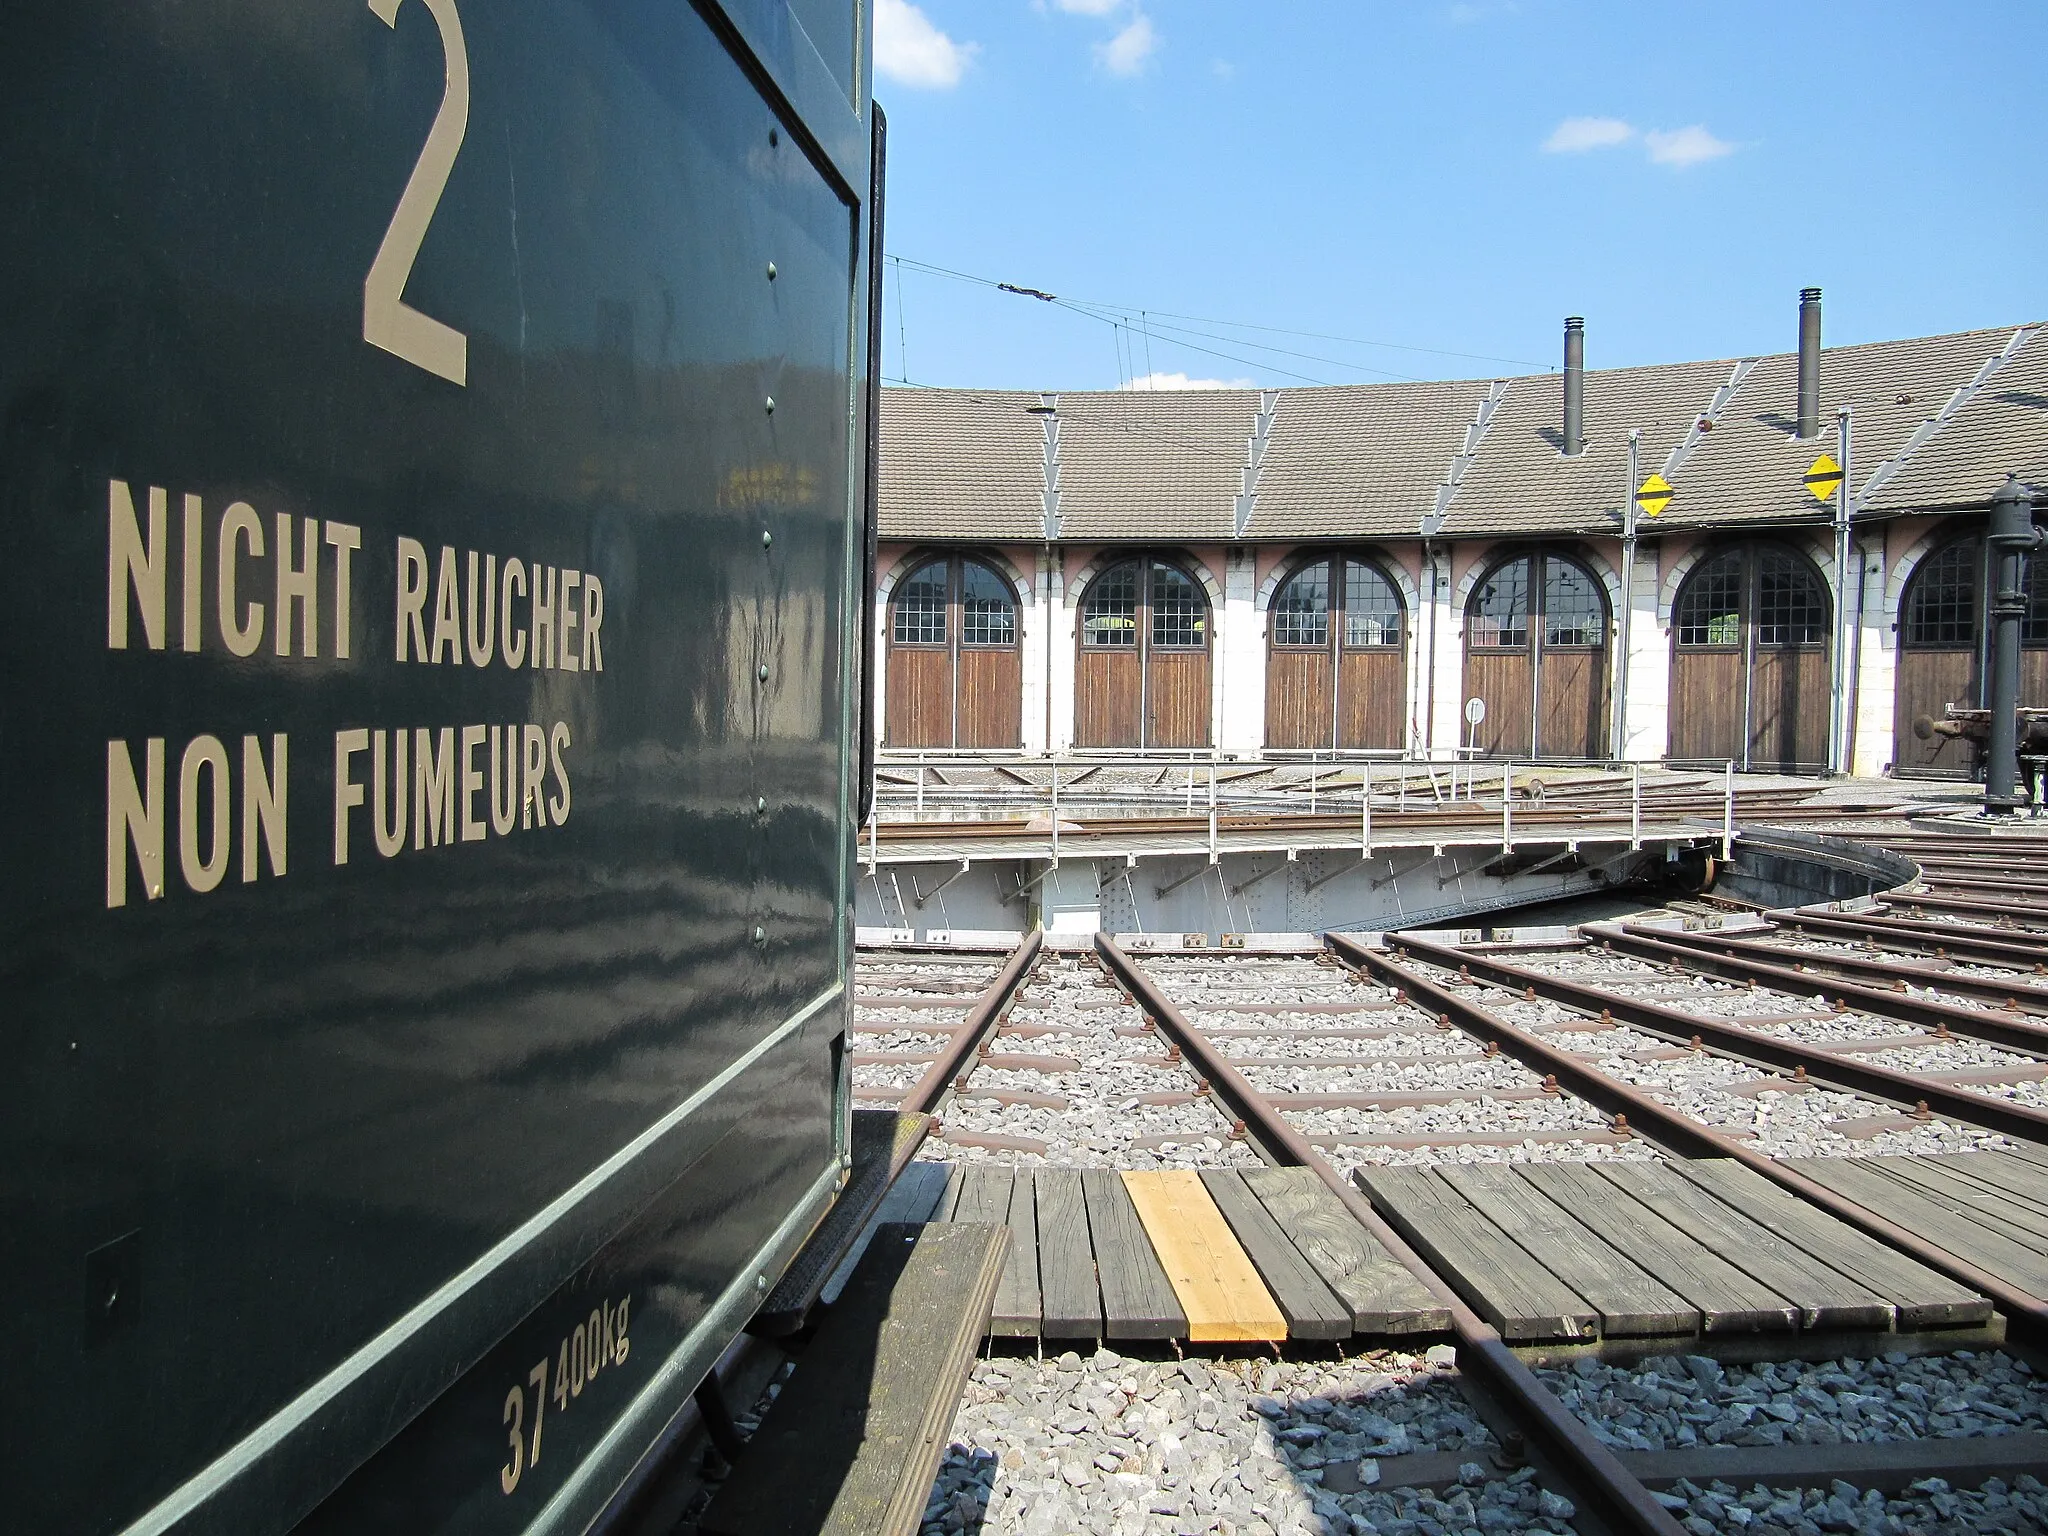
{"type": "Point", "coordinates": [1371, 635]}
{"type": "Point", "coordinates": [1571, 662]}
{"type": "Point", "coordinates": [1941, 635]}
{"type": "Point", "coordinates": [919, 710]}
{"type": "Point", "coordinates": [1749, 664]}
{"type": "Point", "coordinates": [1177, 698]}
{"type": "Point", "coordinates": [1372, 698]}
{"type": "Point", "coordinates": [1301, 661]}
{"type": "Point", "coordinates": [955, 672]}
{"type": "Point", "coordinates": [1109, 679]}
{"type": "Point", "coordinates": [1500, 660]}
{"type": "Point", "coordinates": [1298, 699]}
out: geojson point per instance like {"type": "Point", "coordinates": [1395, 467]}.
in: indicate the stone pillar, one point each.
{"type": "Point", "coordinates": [1240, 649]}
{"type": "Point", "coordinates": [1646, 729]}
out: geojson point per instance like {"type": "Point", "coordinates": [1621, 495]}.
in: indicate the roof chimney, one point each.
{"type": "Point", "coordinates": [1574, 386]}
{"type": "Point", "coordinates": [1809, 361]}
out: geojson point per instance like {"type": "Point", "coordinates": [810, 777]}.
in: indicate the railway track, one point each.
{"type": "Point", "coordinates": [1295, 1060]}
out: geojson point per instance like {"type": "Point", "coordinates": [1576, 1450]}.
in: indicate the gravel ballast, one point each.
{"type": "Point", "coordinates": [1124, 1447]}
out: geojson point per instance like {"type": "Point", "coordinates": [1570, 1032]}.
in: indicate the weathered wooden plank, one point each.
{"type": "Point", "coordinates": [2015, 1175]}
{"type": "Point", "coordinates": [1940, 1224]}
{"type": "Point", "coordinates": [1503, 1284]}
{"type": "Point", "coordinates": [1727, 1298]}
{"type": "Point", "coordinates": [1218, 1288]}
{"type": "Point", "coordinates": [956, 1181]}
{"type": "Point", "coordinates": [1924, 1298]}
{"type": "Point", "coordinates": [1825, 1297]}
{"type": "Point", "coordinates": [1069, 1295]}
{"type": "Point", "coordinates": [1383, 1296]}
{"type": "Point", "coordinates": [851, 1444]}
{"type": "Point", "coordinates": [1312, 1309]}
{"type": "Point", "coordinates": [911, 1199]}
{"type": "Point", "coordinates": [1018, 1310]}
{"type": "Point", "coordinates": [2002, 1213]}
{"type": "Point", "coordinates": [984, 1194]}
{"type": "Point", "coordinates": [1629, 1301]}
{"type": "Point", "coordinates": [1137, 1300]}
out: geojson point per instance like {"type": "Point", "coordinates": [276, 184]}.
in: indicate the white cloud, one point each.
{"type": "Point", "coordinates": [1126, 53]}
{"type": "Point", "coordinates": [1175, 381]}
{"type": "Point", "coordinates": [1685, 146]}
{"type": "Point", "coordinates": [1223, 69]}
{"type": "Point", "coordinates": [1090, 7]}
{"type": "Point", "coordinates": [911, 51]}
{"type": "Point", "coordinates": [1575, 135]}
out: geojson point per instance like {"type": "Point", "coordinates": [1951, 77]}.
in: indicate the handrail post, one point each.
{"type": "Point", "coordinates": [1507, 807]}
{"type": "Point", "coordinates": [1635, 806]}
{"type": "Point", "coordinates": [920, 784]}
{"type": "Point", "coordinates": [1365, 814]}
{"type": "Point", "coordinates": [1055, 812]}
{"type": "Point", "coordinates": [1728, 816]}
{"type": "Point", "coordinates": [1212, 812]}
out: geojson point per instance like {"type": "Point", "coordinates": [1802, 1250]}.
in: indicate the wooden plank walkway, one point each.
{"type": "Point", "coordinates": [1560, 1250]}
{"type": "Point", "coordinates": [1948, 1201]}
{"type": "Point", "coordinates": [1266, 1253]}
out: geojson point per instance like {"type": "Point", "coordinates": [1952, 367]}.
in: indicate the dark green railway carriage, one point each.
{"type": "Point", "coordinates": [433, 471]}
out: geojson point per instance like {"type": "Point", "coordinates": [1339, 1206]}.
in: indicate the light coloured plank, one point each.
{"type": "Point", "coordinates": [1017, 1307]}
{"type": "Point", "coordinates": [1218, 1286]}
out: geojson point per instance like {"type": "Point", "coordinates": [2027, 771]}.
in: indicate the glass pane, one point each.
{"type": "Point", "coordinates": [1500, 608]}
{"type": "Point", "coordinates": [921, 606]}
{"type": "Point", "coordinates": [1109, 614]}
{"type": "Point", "coordinates": [2034, 582]}
{"type": "Point", "coordinates": [1372, 608]}
{"type": "Point", "coordinates": [1710, 606]}
{"type": "Point", "coordinates": [1179, 616]}
{"type": "Point", "coordinates": [1943, 607]}
{"type": "Point", "coordinates": [1790, 606]}
{"type": "Point", "coordinates": [987, 614]}
{"type": "Point", "coordinates": [1301, 613]}
{"type": "Point", "coordinates": [1573, 613]}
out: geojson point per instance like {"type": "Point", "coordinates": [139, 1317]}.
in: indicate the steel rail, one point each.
{"type": "Point", "coordinates": [981, 1020]}
{"type": "Point", "coordinates": [1824, 1067]}
{"type": "Point", "coordinates": [1594, 1472]}
{"type": "Point", "coordinates": [1943, 939]}
{"type": "Point", "coordinates": [1935, 901]}
{"type": "Point", "coordinates": [1744, 959]}
{"type": "Point", "coordinates": [2028, 1313]}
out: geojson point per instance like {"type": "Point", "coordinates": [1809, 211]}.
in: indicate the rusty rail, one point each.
{"type": "Point", "coordinates": [981, 1019]}
{"type": "Point", "coordinates": [1592, 1468]}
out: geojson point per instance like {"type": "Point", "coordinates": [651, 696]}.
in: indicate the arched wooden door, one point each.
{"type": "Point", "coordinates": [1749, 663]}
{"type": "Point", "coordinates": [955, 675]}
{"type": "Point", "coordinates": [1536, 653]}
{"type": "Point", "coordinates": [1941, 653]}
{"type": "Point", "coordinates": [1334, 661]}
{"type": "Point", "coordinates": [1142, 676]}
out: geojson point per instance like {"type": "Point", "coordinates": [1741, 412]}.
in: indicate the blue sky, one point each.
{"type": "Point", "coordinates": [1447, 174]}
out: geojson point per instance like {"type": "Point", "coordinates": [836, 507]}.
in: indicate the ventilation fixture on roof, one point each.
{"type": "Point", "coordinates": [1574, 386]}
{"type": "Point", "coordinates": [1809, 361]}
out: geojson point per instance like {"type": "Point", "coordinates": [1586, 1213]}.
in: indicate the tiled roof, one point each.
{"type": "Point", "coordinates": [961, 463]}
{"type": "Point", "coordinates": [1372, 460]}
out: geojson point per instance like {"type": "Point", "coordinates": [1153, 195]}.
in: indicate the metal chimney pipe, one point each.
{"type": "Point", "coordinates": [1574, 386]}
{"type": "Point", "coordinates": [1809, 361]}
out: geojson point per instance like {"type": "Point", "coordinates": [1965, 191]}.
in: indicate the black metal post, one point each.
{"type": "Point", "coordinates": [1575, 387]}
{"type": "Point", "coordinates": [2012, 533]}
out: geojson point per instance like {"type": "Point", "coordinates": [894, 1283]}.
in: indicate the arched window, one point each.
{"type": "Point", "coordinates": [1109, 616]}
{"type": "Point", "coordinates": [1372, 608]}
{"type": "Point", "coordinates": [1574, 614]}
{"type": "Point", "coordinates": [1500, 609]}
{"type": "Point", "coordinates": [988, 613]}
{"type": "Point", "coordinates": [1943, 656]}
{"type": "Point", "coordinates": [1709, 611]}
{"type": "Point", "coordinates": [921, 606]}
{"type": "Point", "coordinates": [955, 676]}
{"type": "Point", "coordinates": [1143, 677]}
{"type": "Point", "coordinates": [1941, 610]}
{"type": "Point", "coordinates": [1791, 604]}
{"type": "Point", "coordinates": [1301, 610]}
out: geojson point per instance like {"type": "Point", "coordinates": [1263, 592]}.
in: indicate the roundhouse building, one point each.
{"type": "Point", "coordinates": [1341, 569]}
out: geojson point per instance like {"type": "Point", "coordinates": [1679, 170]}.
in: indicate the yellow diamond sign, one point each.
{"type": "Point", "coordinates": [1825, 478]}
{"type": "Point", "coordinates": [1654, 495]}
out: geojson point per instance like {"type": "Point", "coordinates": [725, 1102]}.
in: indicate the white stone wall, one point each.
{"type": "Point", "coordinates": [1240, 659]}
